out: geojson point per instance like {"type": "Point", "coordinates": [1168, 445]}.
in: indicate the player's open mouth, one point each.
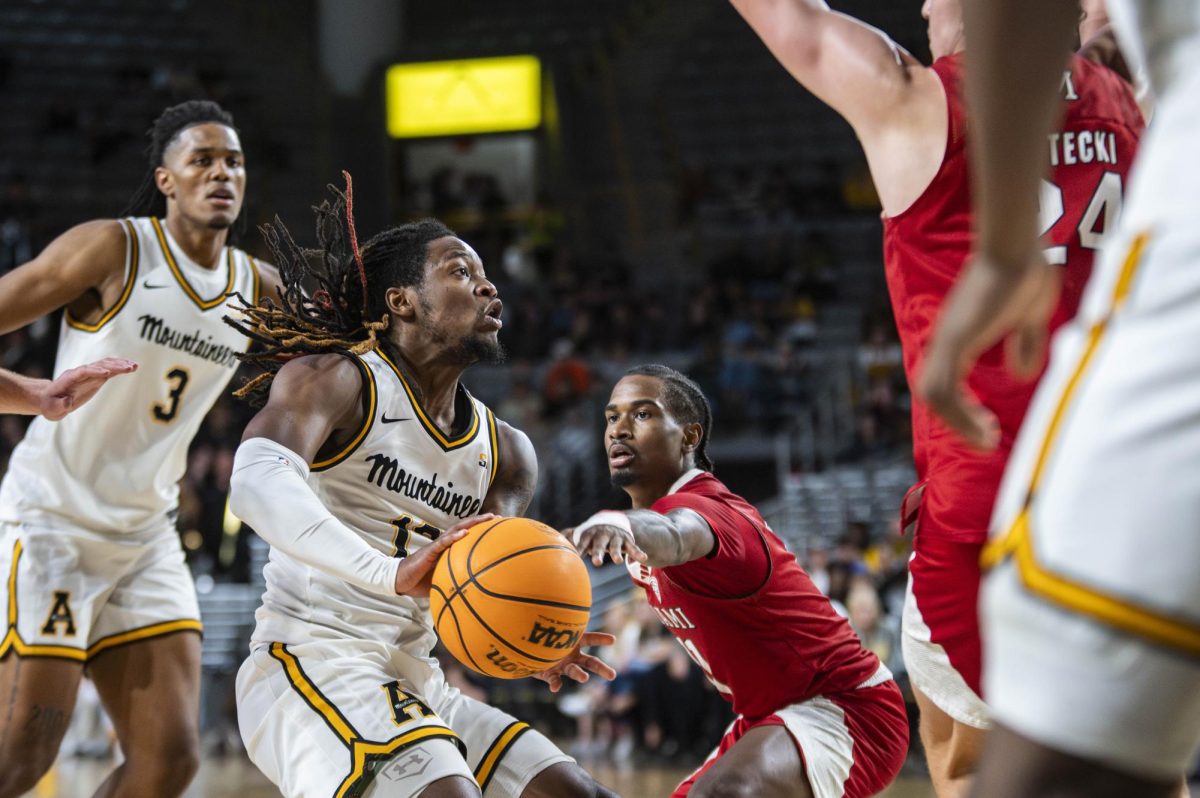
{"type": "Point", "coordinates": [619, 456]}
{"type": "Point", "coordinates": [491, 316]}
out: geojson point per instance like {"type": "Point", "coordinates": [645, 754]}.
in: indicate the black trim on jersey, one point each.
{"type": "Point", "coordinates": [203, 304]}
{"type": "Point", "coordinates": [370, 400]}
{"type": "Point", "coordinates": [132, 257]}
{"type": "Point", "coordinates": [446, 443]}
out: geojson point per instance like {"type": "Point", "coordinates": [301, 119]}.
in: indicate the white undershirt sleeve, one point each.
{"type": "Point", "coordinates": [268, 490]}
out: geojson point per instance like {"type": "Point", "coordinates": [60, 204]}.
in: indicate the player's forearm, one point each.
{"type": "Point", "coordinates": [20, 394]}
{"type": "Point", "coordinates": [1016, 53]}
{"type": "Point", "coordinates": [268, 491]}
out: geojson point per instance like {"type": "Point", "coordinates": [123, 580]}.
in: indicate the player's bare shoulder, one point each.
{"type": "Point", "coordinates": [516, 472]}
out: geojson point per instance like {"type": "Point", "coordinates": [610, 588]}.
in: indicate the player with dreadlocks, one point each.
{"type": "Point", "coordinates": [818, 715]}
{"type": "Point", "coordinates": [366, 461]}
{"type": "Point", "coordinates": [93, 570]}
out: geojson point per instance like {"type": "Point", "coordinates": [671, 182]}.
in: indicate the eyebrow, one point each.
{"type": "Point", "coordinates": [205, 150]}
{"type": "Point", "coordinates": [634, 403]}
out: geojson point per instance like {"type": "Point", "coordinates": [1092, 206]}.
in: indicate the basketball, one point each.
{"type": "Point", "coordinates": [511, 598]}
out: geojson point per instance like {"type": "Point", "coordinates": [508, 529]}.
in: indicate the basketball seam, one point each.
{"type": "Point", "coordinates": [458, 630]}
{"type": "Point", "coordinates": [458, 592]}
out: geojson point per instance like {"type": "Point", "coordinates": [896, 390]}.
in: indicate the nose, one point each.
{"type": "Point", "coordinates": [220, 170]}
{"type": "Point", "coordinates": [618, 430]}
{"type": "Point", "coordinates": [485, 288]}
{"type": "Point", "coordinates": [925, 10]}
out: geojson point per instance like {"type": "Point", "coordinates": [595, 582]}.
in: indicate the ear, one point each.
{"type": "Point", "coordinates": [692, 435]}
{"type": "Point", "coordinates": [165, 181]}
{"type": "Point", "coordinates": [402, 302]}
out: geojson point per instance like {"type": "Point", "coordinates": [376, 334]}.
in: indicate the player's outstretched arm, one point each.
{"type": "Point", "coordinates": [852, 67]}
{"type": "Point", "coordinates": [314, 400]}
{"type": "Point", "coordinates": [655, 539]}
{"type": "Point", "coordinates": [1013, 97]}
{"type": "Point", "coordinates": [85, 263]}
{"type": "Point", "coordinates": [516, 473]}
{"type": "Point", "coordinates": [55, 398]}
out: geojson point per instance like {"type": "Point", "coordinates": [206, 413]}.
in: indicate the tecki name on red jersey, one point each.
{"type": "Point", "coordinates": [747, 613]}
{"type": "Point", "coordinates": [926, 246]}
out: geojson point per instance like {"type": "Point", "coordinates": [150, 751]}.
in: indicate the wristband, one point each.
{"type": "Point", "coordinates": [604, 518]}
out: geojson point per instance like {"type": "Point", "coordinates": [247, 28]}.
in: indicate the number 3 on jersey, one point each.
{"type": "Point", "coordinates": [177, 380]}
{"type": "Point", "coordinates": [1097, 219]}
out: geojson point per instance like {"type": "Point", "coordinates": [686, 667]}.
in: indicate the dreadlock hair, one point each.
{"type": "Point", "coordinates": [148, 200]}
{"type": "Point", "coordinates": [685, 401]}
{"type": "Point", "coordinates": [347, 310]}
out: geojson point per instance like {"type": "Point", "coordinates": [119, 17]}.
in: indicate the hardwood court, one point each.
{"type": "Point", "coordinates": [235, 776]}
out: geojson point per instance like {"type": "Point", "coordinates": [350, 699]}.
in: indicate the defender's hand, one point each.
{"type": "Point", "coordinates": [415, 574]}
{"type": "Point", "coordinates": [600, 539]}
{"type": "Point", "coordinates": [71, 389]}
{"type": "Point", "coordinates": [576, 665]}
{"type": "Point", "coordinates": [989, 303]}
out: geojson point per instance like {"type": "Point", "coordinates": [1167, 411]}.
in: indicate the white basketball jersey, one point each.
{"type": "Point", "coordinates": [1163, 36]}
{"type": "Point", "coordinates": [113, 465]}
{"type": "Point", "coordinates": [399, 483]}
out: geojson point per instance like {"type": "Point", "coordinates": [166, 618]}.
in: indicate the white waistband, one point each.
{"type": "Point", "coordinates": [877, 678]}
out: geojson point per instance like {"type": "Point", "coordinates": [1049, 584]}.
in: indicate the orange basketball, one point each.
{"type": "Point", "coordinates": [511, 598]}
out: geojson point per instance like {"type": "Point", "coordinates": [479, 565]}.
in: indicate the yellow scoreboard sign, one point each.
{"type": "Point", "coordinates": [479, 95]}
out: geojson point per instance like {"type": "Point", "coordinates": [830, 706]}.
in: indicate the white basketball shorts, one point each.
{"type": "Point", "coordinates": [74, 594]}
{"type": "Point", "coordinates": [357, 718]}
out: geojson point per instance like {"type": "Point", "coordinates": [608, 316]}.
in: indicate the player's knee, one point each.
{"type": "Point", "coordinates": [729, 785]}
{"type": "Point", "coordinates": [565, 780]}
{"type": "Point", "coordinates": [165, 767]}
{"type": "Point", "coordinates": [23, 761]}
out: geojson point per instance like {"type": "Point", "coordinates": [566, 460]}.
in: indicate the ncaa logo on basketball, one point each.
{"type": "Point", "coordinates": [552, 637]}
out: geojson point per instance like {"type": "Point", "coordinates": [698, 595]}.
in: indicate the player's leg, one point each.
{"type": "Point", "coordinates": [952, 749]}
{"type": "Point", "coordinates": [566, 780]}
{"type": "Point", "coordinates": [763, 763]}
{"type": "Point", "coordinates": [1017, 766]}
{"type": "Point", "coordinates": [48, 599]}
{"type": "Point", "coordinates": [508, 757]}
{"type": "Point", "coordinates": [151, 690]}
{"type": "Point", "coordinates": [942, 651]}
{"type": "Point", "coordinates": [849, 744]}
{"type": "Point", "coordinates": [37, 696]}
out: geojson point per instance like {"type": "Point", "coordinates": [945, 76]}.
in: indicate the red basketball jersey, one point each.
{"type": "Point", "coordinates": [748, 614]}
{"type": "Point", "coordinates": [926, 246]}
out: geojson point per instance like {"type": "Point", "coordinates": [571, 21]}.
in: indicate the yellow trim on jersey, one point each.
{"type": "Point", "coordinates": [446, 443]}
{"type": "Point", "coordinates": [130, 278]}
{"type": "Point", "coordinates": [203, 304]}
{"type": "Point", "coordinates": [496, 751]}
{"type": "Point", "coordinates": [1017, 542]}
{"type": "Point", "coordinates": [313, 696]}
{"type": "Point", "coordinates": [12, 638]}
{"type": "Point", "coordinates": [144, 633]}
{"type": "Point", "coordinates": [368, 421]}
{"type": "Point", "coordinates": [363, 752]}
{"type": "Point", "coordinates": [493, 436]}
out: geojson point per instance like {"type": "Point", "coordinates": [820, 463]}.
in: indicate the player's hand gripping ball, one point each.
{"type": "Point", "coordinates": [511, 598]}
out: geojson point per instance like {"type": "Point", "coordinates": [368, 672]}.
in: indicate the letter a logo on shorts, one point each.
{"type": "Point", "coordinates": [60, 612]}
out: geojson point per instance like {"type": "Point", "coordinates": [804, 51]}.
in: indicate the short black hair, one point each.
{"type": "Point", "coordinates": [685, 401]}
{"type": "Point", "coordinates": [396, 258]}
{"type": "Point", "coordinates": [148, 200]}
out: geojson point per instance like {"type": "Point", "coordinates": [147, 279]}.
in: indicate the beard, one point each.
{"type": "Point", "coordinates": [466, 351]}
{"type": "Point", "coordinates": [623, 479]}
{"type": "Point", "coordinates": [470, 351]}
